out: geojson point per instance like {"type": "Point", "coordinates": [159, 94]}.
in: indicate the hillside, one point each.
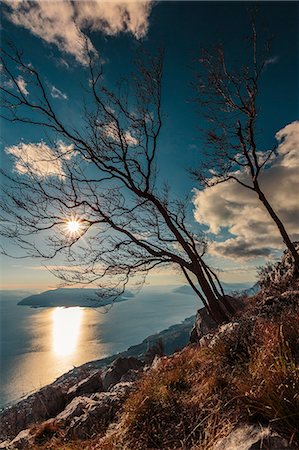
{"type": "Point", "coordinates": [235, 388]}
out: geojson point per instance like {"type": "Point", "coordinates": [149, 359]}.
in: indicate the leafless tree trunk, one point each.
{"type": "Point", "coordinates": [103, 174]}
{"type": "Point", "coordinates": [229, 98]}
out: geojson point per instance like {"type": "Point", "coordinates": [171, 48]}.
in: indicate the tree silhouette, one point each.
{"type": "Point", "coordinates": [230, 99]}
{"type": "Point", "coordinates": [104, 175]}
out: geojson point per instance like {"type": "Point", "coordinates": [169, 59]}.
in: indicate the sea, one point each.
{"type": "Point", "coordinates": [39, 344]}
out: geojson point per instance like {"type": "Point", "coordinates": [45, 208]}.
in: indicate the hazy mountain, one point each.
{"type": "Point", "coordinates": [228, 287]}
{"type": "Point", "coordinates": [70, 297]}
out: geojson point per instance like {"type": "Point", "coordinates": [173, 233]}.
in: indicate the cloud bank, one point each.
{"type": "Point", "coordinates": [39, 159]}
{"type": "Point", "coordinates": [62, 22]}
{"type": "Point", "coordinates": [230, 207]}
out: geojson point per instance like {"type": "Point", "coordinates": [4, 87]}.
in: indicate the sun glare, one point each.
{"type": "Point", "coordinates": [66, 330]}
{"type": "Point", "coordinates": [73, 226]}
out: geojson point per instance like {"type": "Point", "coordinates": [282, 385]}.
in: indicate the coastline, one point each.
{"type": "Point", "coordinates": [174, 337]}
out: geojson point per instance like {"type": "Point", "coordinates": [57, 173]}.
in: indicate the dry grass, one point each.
{"type": "Point", "coordinates": [195, 397]}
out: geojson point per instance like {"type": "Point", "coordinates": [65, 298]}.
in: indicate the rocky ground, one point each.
{"type": "Point", "coordinates": [80, 409]}
{"type": "Point", "coordinates": [233, 387]}
{"type": "Point", "coordinates": [107, 382]}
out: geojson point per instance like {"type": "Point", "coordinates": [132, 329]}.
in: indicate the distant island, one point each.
{"type": "Point", "coordinates": [245, 288]}
{"type": "Point", "coordinates": [71, 297]}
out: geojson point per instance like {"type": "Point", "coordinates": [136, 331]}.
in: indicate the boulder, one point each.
{"type": "Point", "coordinates": [37, 407]}
{"type": "Point", "coordinates": [113, 374]}
{"type": "Point", "coordinates": [82, 418]}
{"type": "Point", "coordinates": [203, 325]}
{"type": "Point", "coordinates": [281, 274]}
{"type": "Point", "coordinates": [23, 441]}
{"type": "Point", "coordinates": [273, 305]}
{"type": "Point", "coordinates": [252, 437]}
{"type": "Point", "coordinates": [49, 401]}
{"type": "Point", "coordinates": [86, 416]}
{"type": "Point", "coordinates": [131, 375]}
{"type": "Point", "coordinates": [41, 405]}
{"type": "Point", "coordinates": [93, 383]}
{"type": "Point", "coordinates": [205, 340]}
{"type": "Point", "coordinates": [222, 333]}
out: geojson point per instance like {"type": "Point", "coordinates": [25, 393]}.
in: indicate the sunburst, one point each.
{"type": "Point", "coordinates": [73, 226]}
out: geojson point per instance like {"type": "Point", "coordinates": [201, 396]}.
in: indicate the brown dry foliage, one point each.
{"type": "Point", "coordinates": [198, 395]}
{"type": "Point", "coordinates": [195, 397]}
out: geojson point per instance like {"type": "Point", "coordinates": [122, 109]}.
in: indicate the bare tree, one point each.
{"type": "Point", "coordinates": [230, 99]}
{"type": "Point", "coordinates": [104, 175]}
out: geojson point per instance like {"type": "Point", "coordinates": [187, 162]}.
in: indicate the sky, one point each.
{"type": "Point", "coordinates": [241, 233]}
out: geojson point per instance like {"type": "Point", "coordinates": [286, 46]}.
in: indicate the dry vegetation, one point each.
{"type": "Point", "coordinates": [198, 395]}
{"type": "Point", "coordinates": [193, 398]}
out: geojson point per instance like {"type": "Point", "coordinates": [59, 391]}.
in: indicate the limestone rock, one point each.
{"type": "Point", "coordinates": [224, 332]}
{"type": "Point", "coordinates": [92, 383]}
{"type": "Point", "coordinates": [272, 305]}
{"type": "Point", "coordinates": [23, 441]}
{"type": "Point", "coordinates": [251, 437]}
{"type": "Point", "coordinates": [118, 368]}
{"type": "Point", "coordinates": [205, 340]}
{"type": "Point", "coordinates": [82, 418]}
{"type": "Point", "coordinates": [51, 400]}
{"type": "Point", "coordinates": [203, 325]}
{"type": "Point", "coordinates": [282, 273]}
{"type": "Point", "coordinates": [37, 407]}
{"type": "Point", "coordinates": [131, 375]}
{"type": "Point", "coordinates": [41, 405]}
{"type": "Point", "coordinates": [86, 416]}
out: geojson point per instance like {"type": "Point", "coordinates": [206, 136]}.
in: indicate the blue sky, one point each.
{"type": "Point", "coordinates": [182, 28]}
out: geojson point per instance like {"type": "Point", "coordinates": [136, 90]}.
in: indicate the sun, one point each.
{"type": "Point", "coordinates": [73, 226]}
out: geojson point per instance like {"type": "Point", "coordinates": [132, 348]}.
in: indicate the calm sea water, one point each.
{"type": "Point", "coordinates": [39, 345]}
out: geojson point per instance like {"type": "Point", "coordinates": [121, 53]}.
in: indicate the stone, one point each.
{"type": "Point", "coordinates": [118, 368]}
{"type": "Point", "coordinates": [92, 383]}
{"type": "Point", "coordinates": [205, 340]}
{"type": "Point", "coordinates": [252, 437]}
{"type": "Point", "coordinates": [272, 305]}
{"type": "Point", "coordinates": [82, 418]}
{"type": "Point", "coordinates": [37, 407]}
{"type": "Point", "coordinates": [86, 416]}
{"type": "Point", "coordinates": [156, 362]}
{"type": "Point", "coordinates": [223, 333]}
{"type": "Point", "coordinates": [283, 273]}
{"type": "Point", "coordinates": [131, 375]}
{"type": "Point", "coordinates": [203, 325]}
{"type": "Point", "coordinates": [23, 441]}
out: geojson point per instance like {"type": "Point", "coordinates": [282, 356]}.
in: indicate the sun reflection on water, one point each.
{"type": "Point", "coordinates": [66, 325]}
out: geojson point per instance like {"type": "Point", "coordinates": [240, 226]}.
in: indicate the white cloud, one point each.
{"type": "Point", "coordinates": [56, 93]}
{"type": "Point", "coordinates": [130, 139]}
{"type": "Point", "coordinates": [115, 16]}
{"type": "Point", "coordinates": [22, 85]}
{"type": "Point", "coordinates": [39, 159]}
{"type": "Point", "coordinates": [231, 207]}
{"type": "Point", "coordinates": [61, 22]}
{"type": "Point", "coordinates": [110, 131]}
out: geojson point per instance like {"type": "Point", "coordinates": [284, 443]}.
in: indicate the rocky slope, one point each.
{"type": "Point", "coordinates": [223, 382]}
{"type": "Point", "coordinates": [91, 378]}
{"type": "Point", "coordinates": [234, 388]}
{"type": "Point", "coordinates": [79, 407]}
